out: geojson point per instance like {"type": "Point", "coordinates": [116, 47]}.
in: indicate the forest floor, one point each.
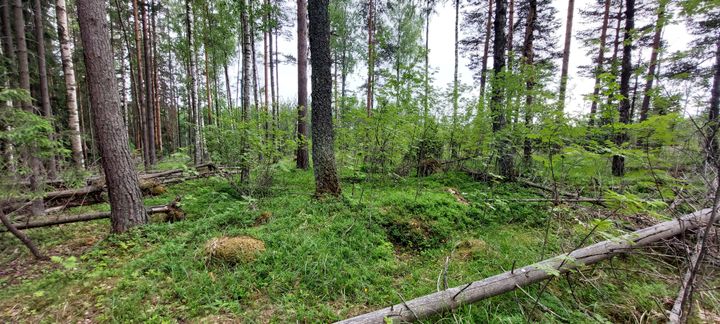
{"type": "Point", "coordinates": [382, 242]}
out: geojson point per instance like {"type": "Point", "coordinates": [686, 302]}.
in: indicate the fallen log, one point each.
{"type": "Point", "coordinates": [436, 303]}
{"type": "Point", "coordinates": [172, 209]}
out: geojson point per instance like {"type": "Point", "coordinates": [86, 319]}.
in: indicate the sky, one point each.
{"type": "Point", "coordinates": [441, 56]}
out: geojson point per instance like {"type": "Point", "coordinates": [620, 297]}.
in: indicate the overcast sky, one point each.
{"type": "Point", "coordinates": [442, 56]}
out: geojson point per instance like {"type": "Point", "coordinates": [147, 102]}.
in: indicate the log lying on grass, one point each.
{"type": "Point", "coordinates": [172, 210]}
{"type": "Point", "coordinates": [428, 305]}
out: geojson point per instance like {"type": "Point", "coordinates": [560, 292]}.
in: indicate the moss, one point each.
{"type": "Point", "coordinates": [233, 250]}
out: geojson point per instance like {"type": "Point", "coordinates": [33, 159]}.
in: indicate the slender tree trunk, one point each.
{"type": "Point", "coordinates": [511, 30]}
{"type": "Point", "coordinates": [301, 157]}
{"type": "Point", "coordinates": [21, 54]}
{"type": "Point", "coordinates": [506, 159]}
{"type": "Point", "coordinates": [486, 49]}
{"type": "Point", "coordinates": [251, 22]}
{"type": "Point", "coordinates": [323, 151]}
{"type": "Point", "coordinates": [426, 105]}
{"type": "Point", "coordinates": [10, 81]}
{"type": "Point", "coordinates": [149, 91]}
{"type": "Point", "coordinates": [156, 85]}
{"type": "Point", "coordinates": [142, 119]}
{"type": "Point", "coordinates": [455, 95]}
{"type": "Point", "coordinates": [246, 61]}
{"type": "Point", "coordinates": [618, 164]}
{"type": "Point", "coordinates": [126, 202]}
{"type": "Point", "coordinates": [22, 237]}
{"type": "Point", "coordinates": [198, 158]}
{"type": "Point", "coordinates": [711, 146]}
{"type": "Point", "coordinates": [616, 50]}
{"type": "Point", "coordinates": [42, 71]}
{"type": "Point", "coordinates": [657, 40]}
{"type": "Point", "coordinates": [600, 63]}
{"type": "Point", "coordinates": [528, 58]}
{"type": "Point", "coordinates": [566, 54]}
{"type": "Point", "coordinates": [227, 84]}
{"type": "Point", "coordinates": [371, 57]}
{"type": "Point", "coordinates": [266, 72]}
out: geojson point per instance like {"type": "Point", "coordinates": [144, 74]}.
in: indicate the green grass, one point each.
{"type": "Point", "coordinates": [325, 260]}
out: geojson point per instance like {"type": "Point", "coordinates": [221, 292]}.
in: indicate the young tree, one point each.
{"type": "Point", "coordinates": [323, 151]}
{"type": "Point", "coordinates": [618, 162]}
{"type": "Point", "coordinates": [566, 54]}
{"type": "Point", "coordinates": [301, 157]}
{"type": "Point", "coordinates": [66, 50]}
{"type": "Point", "coordinates": [126, 203]}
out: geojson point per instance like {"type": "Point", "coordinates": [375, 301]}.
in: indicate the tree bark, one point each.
{"type": "Point", "coordinates": [126, 203]}
{"type": "Point", "coordinates": [323, 151]}
{"type": "Point", "coordinates": [486, 49]}
{"type": "Point", "coordinates": [371, 57]}
{"type": "Point", "coordinates": [301, 156]}
{"type": "Point", "coordinates": [566, 54]}
{"type": "Point", "coordinates": [657, 40]}
{"type": "Point", "coordinates": [24, 76]}
{"type": "Point", "coordinates": [505, 161]}
{"type": "Point", "coordinates": [247, 60]}
{"type": "Point", "coordinates": [711, 145]}
{"type": "Point", "coordinates": [600, 63]}
{"type": "Point", "coordinates": [455, 94]}
{"type": "Point", "coordinates": [528, 57]}
{"type": "Point", "coordinates": [149, 90]}
{"type": "Point", "coordinates": [11, 81]}
{"type": "Point", "coordinates": [141, 103]}
{"type": "Point", "coordinates": [43, 76]}
{"type": "Point", "coordinates": [452, 298]}
{"type": "Point", "coordinates": [618, 163]}
{"type": "Point", "coordinates": [198, 158]}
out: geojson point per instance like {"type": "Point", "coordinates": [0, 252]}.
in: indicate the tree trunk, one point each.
{"type": "Point", "coordinates": [126, 203]}
{"type": "Point", "coordinates": [24, 76]}
{"type": "Point", "coordinates": [193, 86]}
{"type": "Point", "coordinates": [616, 49]}
{"type": "Point", "coordinates": [600, 63]}
{"type": "Point", "coordinates": [455, 94]}
{"type": "Point", "coordinates": [486, 49]}
{"type": "Point", "coordinates": [506, 160]}
{"type": "Point", "coordinates": [371, 56]}
{"type": "Point", "coordinates": [42, 71]}
{"type": "Point", "coordinates": [657, 40]}
{"type": "Point", "coordinates": [618, 163]}
{"type": "Point", "coordinates": [452, 298]}
{"type": "Point", "coordinates": [426, 106]}
{"type": "Point", "coordinates": [142, 122]}
{"type": "Point", "coordinates": [301, 156]}
{"type": "Point", "coordinates": [246, 61]}
{"type": "Point", "coordinates": [528, 57]}
{"type": "Point", "coordinates": [22, 237]}
{"type": "Point", "coordinates": [711, 144]}
{"type": "Point", "coordinates": [566, 54]}
{"type": "Point", "coordinates": [511, 29]}
{"type": "Point", "coordinates": [149, 91]}
{"type": "Point", "coordinates": [323, 151]}
{"type": "Point", "coordinates": [10, 81]}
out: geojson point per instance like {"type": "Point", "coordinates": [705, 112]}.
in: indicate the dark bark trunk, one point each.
{"type": "Point", "coordinates": [618, 163]}
{"type": "Point", "coordinates": [600, 63]}
{"type": "Point", "coordinates": [247, 49]}
{"type": "Point", "coordinates": [486, 49]}
{"type": "Point", "coordinates": [566, 54]}
{"type": "Point", "coordinates": [657, 39]}
{"type": "Point", "coordinates": [528, 57]}
{"type": "Point", "coordinates": [505, 161]}
{"type": "Point", "coordinates": [301, 156]}
{"type": "Point", "coordinates": [711, 144]}
{"type": "Point", "coordinates": [149, 91]}
{"type": "Point", "coordinates": [24, 76]}
{"type": "Point", "coordinates": [43, 76]}
{"type": "Point", "coordinates": [126, 203]}
{"type": "Point", "coordinates": [323, 151]}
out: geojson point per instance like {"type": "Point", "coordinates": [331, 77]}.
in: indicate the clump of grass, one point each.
{"type": "Point", "coordinates": [234, 250]}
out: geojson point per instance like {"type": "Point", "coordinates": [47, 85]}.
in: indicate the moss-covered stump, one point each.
{"type": "Point", "coordinates": [232, 250]}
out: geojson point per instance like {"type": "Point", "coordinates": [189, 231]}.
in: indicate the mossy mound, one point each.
{"type": "Point", "coordinates": [471, 248]}
{"type": "Point", "coordinates": [232, 250]}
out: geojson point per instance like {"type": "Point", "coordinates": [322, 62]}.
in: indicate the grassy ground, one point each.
{"type": "Point", "coordinates": [382, 242]}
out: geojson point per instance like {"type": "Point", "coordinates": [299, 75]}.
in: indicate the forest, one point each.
{"type": "Point", "coordinates": [360, 161]}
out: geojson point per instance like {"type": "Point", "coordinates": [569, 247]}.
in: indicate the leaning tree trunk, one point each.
{"type": "Point", "coordinates": [600, 63]}
{"type": "Point", "coordinates": [43, 76]}
{"type": "Point", "coordinates": [566, 55]}
{"type": "Point", "coordinates": [30, 152]}
{"type": "Point", "coordinates": [301, 156]}
{"type": "Point", "coordinates": [452, 298]}
{"type": "Point", "coordinates": [657, 40]}
{"type": "Point", "coordinates": [618, 162]}
{"type": "Point", "coordinates": [126, 202]}
{"type": "Point", "coordinates": [22, 237]}
{"type": "Point", "coordinates": [323, 151]}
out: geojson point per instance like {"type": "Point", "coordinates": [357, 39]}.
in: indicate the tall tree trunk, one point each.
{"type": "Point", "coordinates": [528, 57]}
{"type": "Point", "coordinates": [42, 71]}
{"type": "Point", "coordinates": [486, 49]}
{"type": "Point", "coordinates": [246, 61]}
{"type": "Point", "coordinates": [505, 161]}
{"type": "Point", "coordinates": [618, 164]}
{"type": "Point", "coordinates": [126, 202]}
{"type": "Point", "coordinates": [657, 40]}
{"type": "Point", "coordinates": [511, 29]}
{"type": "Point", "coordinates": [426, 105]}
{"type": "Point", "coordinates": [616, 50]}
{"type": "Point", "coordinates": [711, 146]}
{"type": "Point", "coordinates": [38, 207]}
{"type": "Point", "coordinates": [149, 91]}
{"type": "Point", "coordinates": [323, 150]}
{"type": "Point", "coordinates": [272, 70]}
{"type": "Point", "coordinates": [600, 63]}
{"type": "Point", "coordinates": [566, 54]}
{"type": "Point", "coordinates": [198, 158]}
{"type": "Point", "coordinates": [266, 71]}
{"type": "Point", "coordinates": [142, 122]}
{"type": "Point", "coordinates": [371, 57]}
{"type": "Point", "coordinates": [228, 93]}
{"type": "Point", "coordinates": [10, 81]}
{"type": "Point", "coordinates": [301, 156]}
{"type": "Point", "coordinates": [156, 85]}
{"type": "Point", "coordinates": [251, 22]}
{"type": "Point", "coordinates": [455, 94]}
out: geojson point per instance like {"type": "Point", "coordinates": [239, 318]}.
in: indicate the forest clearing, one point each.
{"type": "Point", "coordinates": [315, 161]}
